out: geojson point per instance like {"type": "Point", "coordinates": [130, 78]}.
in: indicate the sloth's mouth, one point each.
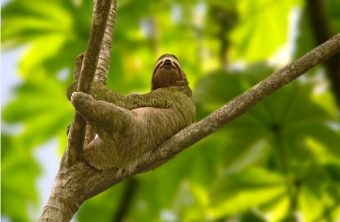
{"type": "Point", "coordinates": [168, 66]}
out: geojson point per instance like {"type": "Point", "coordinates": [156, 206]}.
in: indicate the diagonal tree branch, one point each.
{"type": "Point", "coordinates": [234, 108]}
{"type": "Point", "coordinates": [78, 182]}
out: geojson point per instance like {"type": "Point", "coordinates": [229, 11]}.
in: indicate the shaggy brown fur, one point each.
{"type": "Point", "coordinates": [127, 127]}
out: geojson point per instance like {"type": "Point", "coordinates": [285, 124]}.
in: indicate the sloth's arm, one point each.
{"type": "Point", "coordinates": [158, 99]}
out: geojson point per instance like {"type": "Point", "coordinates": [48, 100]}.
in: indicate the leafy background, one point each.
{"type": "Point", "coordinates": [278, 162]}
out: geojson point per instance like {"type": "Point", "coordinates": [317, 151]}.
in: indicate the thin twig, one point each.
{"type": "Point", "coordinates": [102, 70]}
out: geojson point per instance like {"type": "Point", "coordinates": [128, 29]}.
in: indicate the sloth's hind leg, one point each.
{"type": "Point", "coordinates": [101, 114]}
{"type": "Point", "coordinates": [101, 155]}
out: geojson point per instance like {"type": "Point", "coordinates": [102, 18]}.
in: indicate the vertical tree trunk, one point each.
{"type": "Point", "coordinates": [66, 195]}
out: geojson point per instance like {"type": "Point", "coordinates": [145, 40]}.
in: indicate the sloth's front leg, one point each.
{"type": "Point", "coordinates": [101, 114]}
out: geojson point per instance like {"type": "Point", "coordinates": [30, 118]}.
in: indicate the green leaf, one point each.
{"type": "Point", "coordinates": [241, 191]}
{"type": "Point", "coordinates": [310, 204]}
{"type": "Point", "coordinates": [103, 207]}
{"type": "Point", "coordinates": [25, 21]}
{"type": "Point", "coordinates": [18, 167]}
{"type": "Point", "coordinates": [46, 111]}
{"type": "Point", "coordinates": [268, 17]}
{"type": "Point", "coordinates": [54, 36]}
{"type": "Point", "coordinates": [217, 88]}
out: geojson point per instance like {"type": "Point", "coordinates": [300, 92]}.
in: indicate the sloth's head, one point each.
{"type": "Point", "coordinates": [168, 72]}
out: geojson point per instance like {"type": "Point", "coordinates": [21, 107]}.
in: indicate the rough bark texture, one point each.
{"type": "Point", "coordinates": [77, 130]}
{"type": "Point", "coordinates": [61, 205]}
{"type": "Point", "coordinates": [103, 64]}
{"type": "Point", "coordinates": [102, 68]}
{"type": "Point", "coordinates": [78, 182]}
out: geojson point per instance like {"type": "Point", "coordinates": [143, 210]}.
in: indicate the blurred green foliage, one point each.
{"type": "Point", "coordinates": [277, 162]}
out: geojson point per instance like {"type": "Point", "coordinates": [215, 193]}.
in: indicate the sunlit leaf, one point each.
{"type": "Point", "coordinates": [44, 114]}
{"type": "Point", "coordinates": [25, 20]}
{"type": "Point", "coordinates": [241, 191]}
{"type": "Point", "coordinates": [107, 203]}
{"type": "Point", "coordinates": [18, 167]}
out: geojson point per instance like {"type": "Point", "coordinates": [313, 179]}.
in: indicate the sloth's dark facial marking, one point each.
{"type": "Point", "coordinates": [168, 72]}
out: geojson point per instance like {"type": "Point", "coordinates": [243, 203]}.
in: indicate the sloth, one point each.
{"type": "Point", "coordinates": [127, 127]}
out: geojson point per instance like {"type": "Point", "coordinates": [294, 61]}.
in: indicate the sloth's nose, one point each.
{"type": "Point", "coordinates": [167, 62]}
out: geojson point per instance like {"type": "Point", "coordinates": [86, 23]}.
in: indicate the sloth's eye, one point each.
{"type": "Point", "coordinates": [159, 64]}
{"type": "Point", "coordinates": [177, 65]}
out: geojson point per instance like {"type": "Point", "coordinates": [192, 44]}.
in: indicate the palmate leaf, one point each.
{"type": "Point", "coordinates": [23, 20]}
{"type": "Point", "coordinates": [298, 117]}
{"type": "Point", "coordinates": [165, 192]}
{"type": "Point", "coordinates": [44, 114]}
{"type": "Point", "coordinates": [292, 113]}
{"type": "Point", "coordinates": [107, 203]}
{"type": "Point", "coordinates": [39, 106]}
{"type": "Point", "coordinates": [256, 20]}
{"type": "Point", "coordinates": [51, 29]}
{"type": "Point", "coordinates": [19, 172]}
{"type": "Point", "coordinates": [41, 109]}
{"type": "Point", "coordinates": [252, 187]}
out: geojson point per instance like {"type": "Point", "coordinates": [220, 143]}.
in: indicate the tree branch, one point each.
{"type": "Point", "coordinates": [74, 150]}
{"type": "Point", "coordinates": [61, 205]}
{"type": "Point", "coordinates": [240, 104]}
{"type": "Point", "coordinates": [102, 70]}
{"type": "Point", "coordinates": [79, 182]}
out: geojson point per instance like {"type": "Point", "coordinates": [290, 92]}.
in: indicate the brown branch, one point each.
{"type": "Point", "coordinates": [103, 64]}
{"type": "Point", "coordinates": [77, 131]}
{"type": "Point", "coordinates": [78, 182]}
{"type": "Point", "coordinates": [240, 104]}
{"type": "Point", "coordinates": [60, 206]}
{"type": "Point", "coordinates": [102, 68]}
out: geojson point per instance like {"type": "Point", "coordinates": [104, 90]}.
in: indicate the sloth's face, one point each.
{"type": "Point", "coordinates": [168, 62]}
{"type": "Point", "coordinates": [168, 72]}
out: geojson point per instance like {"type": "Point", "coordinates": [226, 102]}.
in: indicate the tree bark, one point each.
{"type": "Point", "coordinates": [62, 204]}
{"type": "Point", "coordinates": [74, 151]}
{"type": "Point", "coordinates": [103, 65]}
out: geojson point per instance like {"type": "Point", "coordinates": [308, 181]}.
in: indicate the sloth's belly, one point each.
{"type": "Point", "coordinates": [150, 112]}
{"type": "Point", "coordinates": [157, 123]}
